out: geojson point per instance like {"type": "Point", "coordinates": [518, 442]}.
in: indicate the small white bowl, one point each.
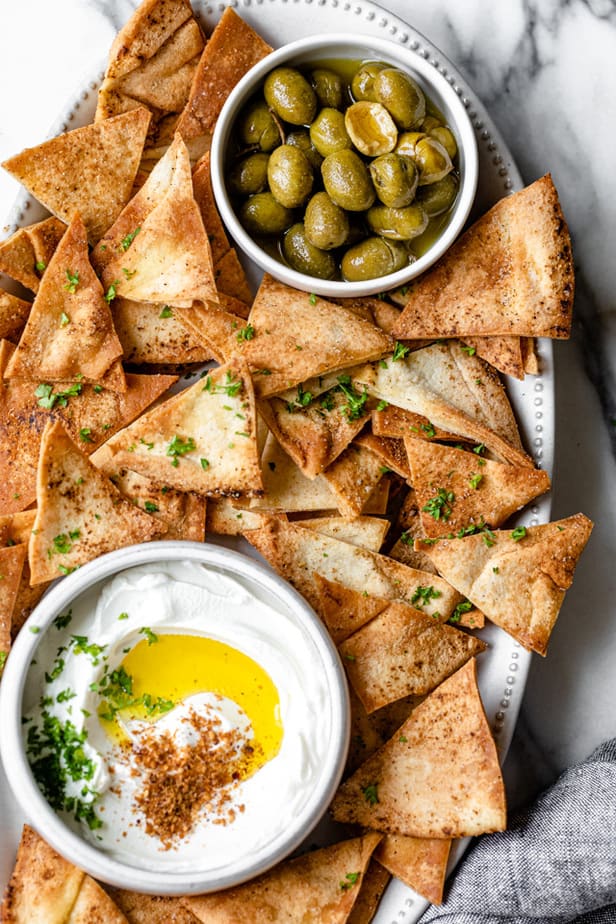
{"type": "Point", "coordinates": [136, 876]}
{"type": "Point", "coordinates": [360, 48]}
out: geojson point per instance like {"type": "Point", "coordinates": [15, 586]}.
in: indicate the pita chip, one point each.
{"type": "Point", "coordinates": [365, 738]}
{"type": "Point", "coordinates": [94, 906]}
{"type": "Point", "coordinates": [504, 353]}
{"type": "Point", "coordinates": [343, 610]}
{"type": "Point", "coordinates": [419, 862]}
{"type": "Point", "coordinates": [89, 170]}
{"type": "Point", "coordinates": [151, 333]}
{"type": "Point", "coordinates": [438, 776]}
{"type": "Point", "coordinates": [530, 357]}
{"type": "Point", "coordinates": [69, 336]}
{"type": "Point", "coordinates": [26, 254]}
{"type": "Point", "coordinates": [390, 451]}
{"type": "Point", "coordinates": [204, 196]}
{"type": "Point", "coordinates": [80, 513]}
{"type": "Point", "coordinates": [232, 49]}
{"type": "Point", "coordinates": [231, 279]}
{"type": "Point", "coordinates": [202, 439]}
{"type": "Point", "coordinates": [511, 273]}
{"type": "Point", "coordinates": [295, 339]}
{"type": "Point", "coordinates": [152, 909]}
{"type": "Point", "coordinates": [365, 532]}
{"type": "Point", "coordinates": [320, 887]}
{"type": "Point", "coordinates": [353, 477]}
{"type": "Point", "coordinates": [408, 523]}
{"type": "Point", "coordinates": [11, 568]}
{"type": "Point", "coordinates": [157, 249]}
{"type": "Point", "coordinates": [218, 330]}
{"type": "Point", "coordinates": [15, 530]}
{"type": "Point", "coordinates": [403, 652]}
{"type": "Point", "coordinates": [286, 488]}
{"type": "Point", "coordinates": [375, 882]}
{"type": "Point", "coordinates": [13, 316]}
{"type": "Point", "coordinates": [517, 577]}
{"type": "Point", "coordinates": [456, 489]}
{"type": "Point", "coordinates": [224, 518]}
{"type": "Point", "coordinates": [395, 422]}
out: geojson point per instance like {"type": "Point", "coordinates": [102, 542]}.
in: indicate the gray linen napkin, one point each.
{"type": "Point", "coordinates": [555, 864]}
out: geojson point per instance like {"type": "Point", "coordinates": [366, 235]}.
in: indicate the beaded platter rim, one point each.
{"type": "Point", "coordinates": [502, 677]}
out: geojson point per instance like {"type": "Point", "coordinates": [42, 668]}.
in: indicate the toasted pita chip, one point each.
{"type": "Point", "coordinates": [157, 249]}
{"type": "Point", "coordinates": [518, 578]}
{"type": "Point", "coordinates": [321, 886]}
{"type": "Point", "coordinates": [511, 273]}
{"type": "Point", "coordinates": [375, 882]}
{"type": "Point", "coordinates": [295, 339]}
{"type": "Point", "coordinates": [152, 909]}
{"type": "Point", "coordinates": [365, 532]}
{"type": "Point", "coordinates": [203, 439]}
{"type": "Point", "coordinates": [26, 254]}
{"type": "Point", "coordinates": [89, 170]}
{"type": "Point", "coordinates": [467, 616]}
{"type": "Point", "coordinates": [390, 451]}
{"type": "Point", "coordinates": [11, 567]}
{"type": "Point", "coordinates": [70, 335]}
{"type": "Point", "coordinates": [15, 528]}
{"type": "Point", "coordinates": [204, 196]}
{"type": "Point", "coordinates": [80, 513]}
{"type": "Point", "coordinates": [286, 488]}
{"type": "Point", "coordinates": [530, 356]}
{"type": "Point", "coordinates": [298, 554]}
{"type": "Point", "coordinates": [438, 776]}
{"type": "Point", "coordinates": [232, 49]}
{"type": "Point", "coordinates": [94, 906]}
{"type": "Point", "coordinates": [152, 334]}
{"type": "Point", "coordinates": [43, 887]}
{"type": "Point", "coordinates": [396, 422]}
{"type": "Point", "coordinates": [403, 652]}
{"type": "Point", "coordinates": [343, 610]}
{"type": "Point", "coordinates": [13, 316]}
{"type": "Point", "coordinates": [456, 490]}
{"type": "Point", "coordinates": [408, 523]}
{"type": "Point", "coordinates": [455, 391]}
{"type": "Point", "coordinates": [504, 353]}
{"type": "Point", "coordinates": [353, 477]}
{"type": "Point", "coordinates": [419, 862]}
{"type": "Point", "coordinates": [219, 331]}
{"type": "Point", "coordinates": [224, 518]}
{"type": "Point", "coordinates": [383, 314]}
{"type": "Point", "coordinates": [365, 738]}
{"type": "Point", "coordinates": [378, 501]}
{"type": "Point", "coordinates": [231, 278]}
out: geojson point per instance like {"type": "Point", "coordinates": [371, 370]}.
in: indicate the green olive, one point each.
{"type": "Point", "coordinates": [290, 95]}
{"type": "Point", "coordinates": [395, 179]}
{"type": "Point", "coordinates": [362, 85]}
{"type": "Point", "coordinates": [372, 258]}
{"type": "Point", "coordinates": [445, 136]}
{"type": "Point", "coordinates": [262, 214]}
{"type": "Point", "coordinates": [304, 257]}
{"type": "Point", "coordinates": [372, 129]}
{"type": "Point", "coordinates": [328, 87]}
{"type": "Point", "coordinates": [347, 181]}
{"type": "Point", "coordinates": [401, 96]}
{"type": "Point", "coordinates": [432, 159]}
{"type": "Point", "coordinates": [325, 223]}
{"type": "Point", "coordinates": [258, 128]}
{"type": "Point", "coordinates": [429, 123]}
{"type": "Point", "coordinates": [407, 143]}
{"type": "Point", "coordinates": [438, 197]}
{"type": "Point", "coordinates": [397, 224]}
{"type": "Point", "coordinates": [328, 133]}
{"type": "Point", "coordinates": [289, 176]}
{"type": "Point", "coordinates": [301, 139]}
{"type": "Point", "coordinates": [250, 175]}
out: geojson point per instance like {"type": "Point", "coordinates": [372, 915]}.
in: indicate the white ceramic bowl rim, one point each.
{"type": "Point", "coordinates": [362, 46]}
{"type": "Point", "coordinates": [50, 825]}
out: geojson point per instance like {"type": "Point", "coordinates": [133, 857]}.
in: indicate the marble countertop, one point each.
{"type": "Point", "coordinates": [546, 70]}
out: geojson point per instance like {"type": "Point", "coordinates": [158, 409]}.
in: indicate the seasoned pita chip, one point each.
{"type": "Point", "coordinates": [295, 339]}
{"type": "Point", "coordinates": [43, 887]}
{"type": "Point", "coordinates": [219, 331]}
{"type": "Point", "coordinates": [365, 532]}
{"type": "Point", "coordinates": [94, 906]}
{"type": "Point", "coordinates": [204, 196]}
{"type": "Point", "coordinates": [390, 451]}
{"type": "Point", "coordinates": [403, 652]}
{"type": "Point", "coordinates": [517, 577]}
{"type": "Point", "coordinates": [395, 422]}
{"type": "Point", "coordinates": [343, 610]}
{"type": "Point", "coordinates": [530, 356]}
{"type": "Point", "coordinates": [375, 882]}
{"type": "Point", "coordinates": [298, 554]}
{"type": "Point", "coordinates": [15, 531]}
{"type": "Point", "coordinates": [458, 490]}
{"type": "Point", "coordinates": [455, 391]}
{"type": "Point", "coordinates": [90, 170]}
{"type": "Point", "coordinates": [380, 312]}
{"type": "Point", "coordinates": [13, 316]}
{"type": "Point", "coordinates": [419, 862]}
{"type": "Point", "coordinates": [152, 334]}
{"type": "Point", "coordinates": [511, 273]}
{"type": "Point", "coordinates": [365, 738]}
{"type": "Point", "coordinates": [202, 439]}
{"type": "Point", "coordinates": [504, 353]}
{"type": "Point", "coordinates": [320, 887]}
{"type": "Point", "coordinates": [11, 567]}
{"type": "Point", "coordinates": [232, 49]}
{"type": "Point", "coordinates": [353, 477]}
{"type": "Point", "coordinates": [26, 254]}
{"type": "Point", "coordinates": [152, 909]}
{"type": "Point", "coordinates": [157, 250]}
{"type": "Point", "coordinates": [225, 519]}
{"type": "Point", "coordinates": [378, 502]}
{"type": "Point", "coordinates": [286, 488]}
{"type": "Point", "coordinates": [70, 335]}
{"type": "Point", "coordinates": [408, 523]}
{"type": "Point", "coordinates": [438, 776]}
{"type": "Point", "coordinates": [80, 513]}
{"type": "Point", "coordinates": [231, 278]}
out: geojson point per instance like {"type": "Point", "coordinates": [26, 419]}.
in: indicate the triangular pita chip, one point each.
{"type": "Point", "coordinates": [530, 356]}
{"type": "Point", "coordinates": [380, 312]}
{"type": "Point", "coordinates": [518, 578]}
{"type": "Point", "coordinates": [80, 513]}
{"type": "Point", "coordinates": [219, 331]}
{"type": "Point", "coordinates": [94, 906]}
{"type": "Point", "coordinates": [365, 532]}
{"type": "Point", "coordinates": [232, 49]}
{"type": "Point", "coordinates": [455, 391]}
{"type": "Point", "coordinates": [151, 333]}
{"type": "Point", "coordinates": [152, 909]}
{"type": "Point", "coordinates": [16, 527]}
{"type": "Point", "coordinates": [157, 250]}
{"type": "Point", "coordinates": [320, 887]}
{"type": "Point", "coordinates": [204, 196]}
{"type": "Point", "coordinates": [15, 530]}
{"type": "Point", "coordinates": [70, 335]}
{"type": "Point", "coordinates": [353, 477]}
{"type": "Point", "coordinates": [390, 451]}
{"type": "Point", "coordinates": [203, 439]}
{"type": "Point", "coordinates": [438, 776]}
{"type": "Point", "coordinates": [286, 488]}
{"type": "Point", "coordinates": [419, 862]}
{"type": "Point", "coordinates": [89, 170]}
{"type": "Point", "coordinates": [224, 518]}
{"type": "Point", "coordinates": [26, 254]}
{"type": "Point", "coordinates": [397, 422]}
{"type": "Point", "coordinates": [343, 610]}
{"type": "Point", "coordinates": [375, 882]}
{"type": "Point", "coordinates": [510, 273]}
{"type": "Point", "coordinates": [456, 489]}
{"type": "Point", "coordinates": [365, 737]}
{"type": "Point", "coordinates": [13, 316]}
{"type": "Point", "coordinates": [408, 523]}
{"type": "Point", "coordinates": [11, 567]}
{"type": "Point", "coordinates": [404, 652]}
{"type": "Point", "coordinates": [231, 279]}
{"type": "Point", "coordinates": [298, 554]}
{"type": "Point", "coordinates": [295, 339]}
{"type": "Point", "coordinates": [504, 353]}
{"type": "Point", "coordinates": [378, 502]}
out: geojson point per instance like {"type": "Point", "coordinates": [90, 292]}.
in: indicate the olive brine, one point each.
{"type": "Point", "coordinates": [344, 171]}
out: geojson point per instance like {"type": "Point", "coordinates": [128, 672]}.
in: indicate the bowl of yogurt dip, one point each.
{"type": "Point", "coordinates": [175, 718]}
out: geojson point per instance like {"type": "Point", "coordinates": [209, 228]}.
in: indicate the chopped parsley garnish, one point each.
{"type": "Point", "coordinates": [150, 636]}
{"type": "Point", "coordinates": [3, 657]}
{"type": "Point", "coordinates": [423, 595]}
{"type": "Point", "coordinates": [98, 389]}
{"type": "Point", "coordinates": [62, 621]}
{"type": "Point", "coordinates": [128, 240]}
{"type": "Point", "coordinates": [440, 506]}
{"type": "Point", "coordinates": [518, 533]}
{"type": "Point", "coordinates": [246, 333]}
{"type": "Point", "coordinates": [116, 690]}
{"type": "Point", "coordinates": [128, 273]}
{"type": "Point", "coordinates": [65, 695]}
{"type": "Point", "coordinates": [303, 399]}
{"type": "Point", "coordinates": [475, 481]}
{"type": "Point", "coordinates": [371, 793]}
{"type": "Point", "coordinates": [150, 507]}
{"type": "Point", "coordinates": [64, 570]}
{"type": "Point", "coordinates": [63, 543]}
{"type": "Point", "coordinates": [73, 281]}
{"type": "Point", "coordinates": [312, 299]}
{"type": "Point", "coordinates": [166, 312]}
{"type": "Point", "coordinates": [461, 608]}
{"type": "Point", "coordinates": [35, 630]}
{"type": "Point", "coordinates": [179, 447]}
{"type": "Point", "coordinates": [400, 351]}
{"type": "Point", "coordinates": [145, 443]}
{"type": "Point", "coordinates": [478, 450]}
{"type": "Point", "coordinates": [382, 405]}
{"type": "Point", "coordinates": [231, 386]}
{"type": "Point", "coordinates": [123, 616]}
{"type": "Point", "coordinates": [112, 292]}
{"type": "Point", "coordinates": [47, 397]}
{"type": "Point", "coordinates": [470, 350]}
{"type": "Point", "coordinates": [204, 464]}
{"type": "Point", "coordinates": [85, 435]}
{"type": "Point", "coordinates": [64, 319]}
{"type": "Point", "coordinates": [428, 429]}
{"type": "Point", "coordinates": [81, 645]}
{"type": "Point", "coordinates": [41, 266]}
{"type": "Point", "coordinates": [356, 402]}
{"type": "Point", "coordinates": [350, 879]}
{"type": "Point", "coordinates": [58, 667]}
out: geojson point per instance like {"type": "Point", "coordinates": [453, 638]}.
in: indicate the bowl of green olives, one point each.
{"type": "Point", "coordinates": [344, 165]}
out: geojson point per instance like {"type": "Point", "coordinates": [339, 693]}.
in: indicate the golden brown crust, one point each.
{"type": "Point", "coordinates": [421, 863]}
{"type": "Point", "coordinates": [20, 253]}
